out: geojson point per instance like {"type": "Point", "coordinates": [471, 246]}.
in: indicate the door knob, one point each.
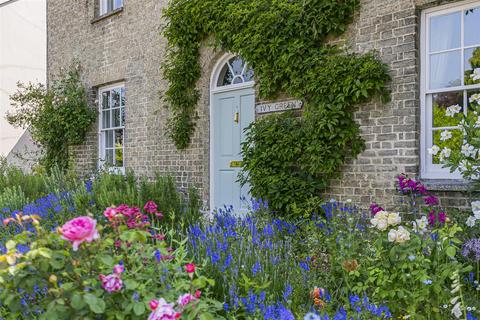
{"type": "Point", "coordinates": [236, 117]}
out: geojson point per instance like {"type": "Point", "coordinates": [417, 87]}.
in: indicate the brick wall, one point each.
{"type": "Point", "coordinates": [128, 47]}
{"type": "Point", "coordinates": [391, 131]}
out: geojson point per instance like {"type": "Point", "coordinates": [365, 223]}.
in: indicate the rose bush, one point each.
{"type": "Point", "coordinates": [114, 270]}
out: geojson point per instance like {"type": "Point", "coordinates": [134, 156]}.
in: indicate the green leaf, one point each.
{"type": "Point", "coordinates": [130, 284]}
{"type": "Point", "coordinates": [451, 252]}
{"type": "Point", "coordinates": [139, 308]}
{"type": "Point", "coordinates": [77, 302]}
{"type": "Point", "coordinates": [107, 260]}
{"type": "Point", "coordinates": [96, 305]}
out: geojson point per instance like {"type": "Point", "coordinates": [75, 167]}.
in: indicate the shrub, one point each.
{"type": "Point", "coordinates": [116, 271]}
{"type": "Point", "coordinates": [57, 117]}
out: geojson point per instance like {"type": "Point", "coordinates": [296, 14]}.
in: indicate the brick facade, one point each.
{"type": "Point", "coordinates": [128, 47]}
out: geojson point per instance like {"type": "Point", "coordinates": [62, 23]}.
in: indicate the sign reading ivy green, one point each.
{"type": "Point", "coordinates": [286, 159]}
{"type": "Point", "coordinates": [278, 106]}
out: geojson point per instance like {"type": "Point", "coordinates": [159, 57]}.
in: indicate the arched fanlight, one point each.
{"type": "Point", "coordinates": [235, 71]}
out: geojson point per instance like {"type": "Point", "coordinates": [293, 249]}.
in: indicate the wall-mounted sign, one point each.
{"type": "Point", "coordinates": [278, 106]}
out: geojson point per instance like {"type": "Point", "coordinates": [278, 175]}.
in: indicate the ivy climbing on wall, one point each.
{"type": "Point", "coordinates": [288, 159]}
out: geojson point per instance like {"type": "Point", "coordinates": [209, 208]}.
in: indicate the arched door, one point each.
{"type": "Point", "coordinates": [232, 110]}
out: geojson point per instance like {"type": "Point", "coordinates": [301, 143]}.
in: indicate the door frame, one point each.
{"type": "Point", "coordinates": [214, 90]}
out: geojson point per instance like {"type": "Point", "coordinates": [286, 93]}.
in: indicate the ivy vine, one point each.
{"type": "Point", "coordinates": [57, 117]}
{"type": "Point", "coordinates": [288, 158]}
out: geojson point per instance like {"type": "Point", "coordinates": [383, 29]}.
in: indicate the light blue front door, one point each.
{"type": "Point", "coordinates": [232, 112]}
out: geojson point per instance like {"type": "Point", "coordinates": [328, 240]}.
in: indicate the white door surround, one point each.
{"type": "Point", "coordinates": [232, 109]}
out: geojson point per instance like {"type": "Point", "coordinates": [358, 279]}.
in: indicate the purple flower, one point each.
{"type": "Point", "coordinates": [375, 208]}
{"type": "Point", "coordinates": [431, 201]}
{"type": "Point", "coordinates": [471, 249]}
{"type": "Point", "coordinates": [442, 217]}
{"type": "Point", "coordinates": [432, 218]}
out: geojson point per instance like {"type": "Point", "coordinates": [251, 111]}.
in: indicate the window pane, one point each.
{"type": "Point", "coordinates": [237, 80]}
{"type": "Point", "coordinates": [122, 92]}
{"type": "Point", "coordinates": [472, 27]}
{"type": "Point", "coordinates": [226, 77]}
{"type": "Point", "coordinates": [248, 76]}
{"type": "Point", "coordinates": [109, 5]}
{"type": "Point", "coordinates": [108, 139]}
{"type": "Point", "coordinates": [119, 157]}
{"type": "Point", "coordinates": [115, 98]}
{"type": "Point", "coordinates": [441, 101]}
{"type": "Point", "coordinates": [118, 4]}
{"type": "Point", "coordinates": [445, 32]}
{"type": "Point", "coordinates": [445, 70]}
{"type": "Point", "coordinates": [105, 100]}
{"type": "Point", "coordinates": [472, 66]}
{"type": "Point", "coordinates": [451, 139]}
{"type": "Point", "coordinates": [109, 157]}
{"type": "Point", "coordinates": [237, 65]}
{"type": "Point", "coordinates": [116, 118]}
{"type": "Point", "coordinates": [122, 117]}
{"type": "Point", "coordinates": [118, 138]}
{"type": "Point", "coordinates": [105, 119]}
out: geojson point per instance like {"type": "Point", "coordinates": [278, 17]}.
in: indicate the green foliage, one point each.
{"type": "Point", "coordinates": [288, 159]}
{"type": "Point", "coordinates": [464, 144]}
{"type": "Point", "coordinates": [110, 189]}
{"type": "Point", "coordinates": [57, 117]}
{"type": "Point", "coordinates": [11, 177]}
{"type": "Point", "coordinates": [411, 277]}
{"type": "Point", "coordinates": [64, 284]}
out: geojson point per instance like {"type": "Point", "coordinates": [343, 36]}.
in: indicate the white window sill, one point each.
{"type": "Point", "coordinates": [447, 185]}
{"type": "Point", "coordinates": [106, 15]}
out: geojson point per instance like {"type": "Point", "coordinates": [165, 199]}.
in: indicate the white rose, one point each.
{"type": "Point", "coordinates": [392, 235]}
{"type": "Point", "coordinates": [382, 225]}
{"type": "Point", "coordinates": [394, 218]}
{"type": "Point", "coordinates": [471, 221]}
{"type": "Point", "coordinates": [380, 221]}
{"type": "Point", "coordinates": [402, 235]}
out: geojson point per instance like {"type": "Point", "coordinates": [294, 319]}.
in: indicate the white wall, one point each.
{"type": "Point", "coordinates": [23, 50]}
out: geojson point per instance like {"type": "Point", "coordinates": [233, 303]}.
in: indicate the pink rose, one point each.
{"type": "Point", "coordinates": [164, 311]}
{"type": "Point", "coordinates": [150, 207]}
{"type": "Point", "coordinates": [118, 269]}
{"type": "Point", "coordinates": [190, 268]}
{"type": "Point", "coordinates": [111, 283]}
{"type": "Point", "coordinates": [79, 230]}
{"type": "Point", "coordinates": [185, 299]}
{"type": "Point", "coordinates": [198, 293]}
{"type": "Point", "coordinates": [110, 213]}
{"type": "Point", "coordinates": [153, 304]}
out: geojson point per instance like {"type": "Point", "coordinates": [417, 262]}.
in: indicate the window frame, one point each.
{"type": "Point", "coordinates": [101, 131]}
{"type": "Point", "coordinates": [429, 170]}
{"type": "Point", "coordinates": [103, 7]}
